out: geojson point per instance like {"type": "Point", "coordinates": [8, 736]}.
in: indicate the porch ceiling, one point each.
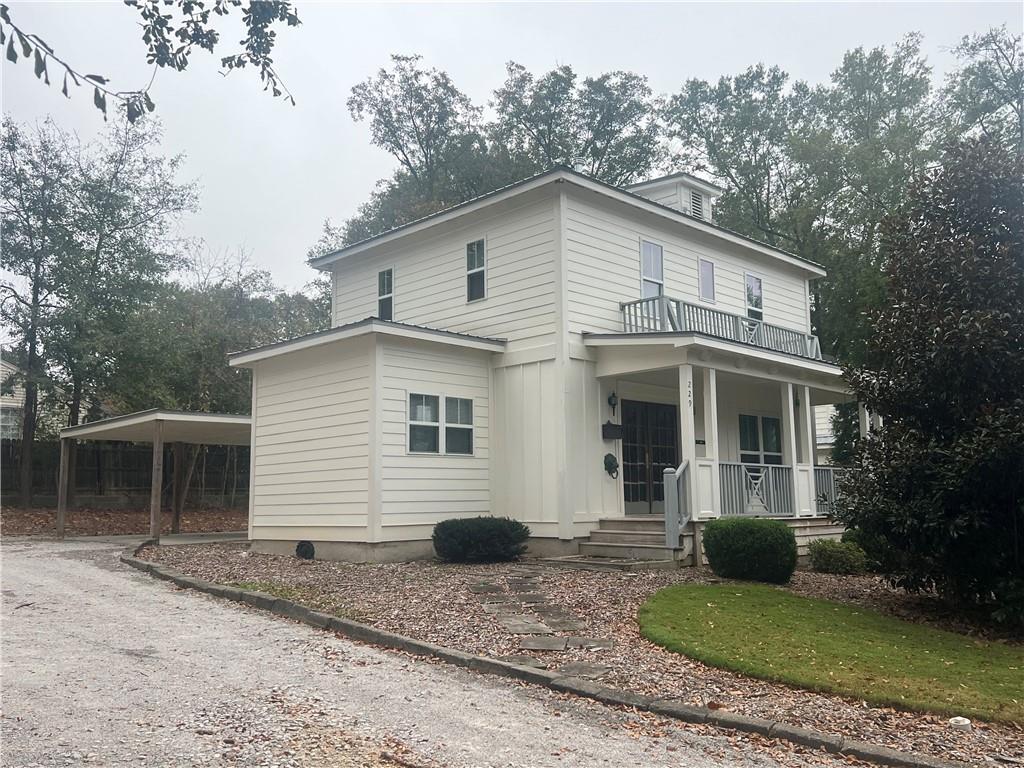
{"type": "Point", "coordinates": [655, 359]}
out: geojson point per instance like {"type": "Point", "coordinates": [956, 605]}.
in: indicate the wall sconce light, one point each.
{"type": "Point", "coordinates": [613, 400]}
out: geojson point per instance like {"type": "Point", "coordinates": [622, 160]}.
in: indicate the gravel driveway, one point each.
{"type": "Point", "coordinates": [104, 666]}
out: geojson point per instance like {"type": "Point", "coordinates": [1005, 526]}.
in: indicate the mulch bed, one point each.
{"type": "Point", "coordinates": [112, 522]}
{"type": "Point", "coordinates": [432, 601]}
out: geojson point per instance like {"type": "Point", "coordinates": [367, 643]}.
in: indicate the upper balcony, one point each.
{"type": "Point", "coordinates": [663, 314]}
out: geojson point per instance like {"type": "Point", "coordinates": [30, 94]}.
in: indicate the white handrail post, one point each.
{"type": "Point", "coordinates": [672, 521]}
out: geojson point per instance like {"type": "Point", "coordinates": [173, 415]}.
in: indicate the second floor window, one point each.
{"type": "Point", "coordinates": [386, 294]}
{"type": "Point", "coordinates": [706, 280]}
{"type": "Point", "coordinates": [476, 271]}
{"type": "Point", "coordinates": [652, 270]}
{"type": "Point", "coordinates": [755, 298]}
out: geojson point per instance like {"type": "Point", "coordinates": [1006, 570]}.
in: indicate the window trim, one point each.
{"type": "Point", "coordinates": [640, 258]}
{"type": "Point", "coordinates": [483, 269]}
{"type": "Point", "coordinates": [386, 295]}
{"type": "Point", "coordinates": [700, 281]}
{"type": "Point", "coordinates": [441, 424]}
{"type": "Point", "coordinates": [746, 298]}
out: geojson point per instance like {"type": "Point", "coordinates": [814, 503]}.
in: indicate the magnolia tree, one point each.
{"type": "Point", "coordinates": [941, 484]}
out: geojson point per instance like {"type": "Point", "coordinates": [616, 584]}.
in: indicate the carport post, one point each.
{"type": "Point", "coordinates": [62, 485]}
{"type": "Point", "coordinates": [158, 480]}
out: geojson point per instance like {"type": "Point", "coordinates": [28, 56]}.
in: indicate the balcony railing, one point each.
{"type": "Point", "coordinates": [827, 488]}
{"type": "Point", "coordinates": [665, 314]}
{"type": "Point", "coordinates": [763, 490]}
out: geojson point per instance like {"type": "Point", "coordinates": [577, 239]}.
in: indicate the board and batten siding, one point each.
{"type": "Point", "coordinates": [430, 275]}
{"type": "Point", "coordinates": [603, 261]}
{"type": "Point", "coordinates": [311, 413]}
{"type": "Point", "coordinates": [419, 490]}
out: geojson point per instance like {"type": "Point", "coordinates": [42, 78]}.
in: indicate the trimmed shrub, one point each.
{"type": "Point", "coordinates": [750, 548]}
{"type": "Point", "coordinates": [480, 539]}
{"type": "Point", "coordinates": [829, 556]}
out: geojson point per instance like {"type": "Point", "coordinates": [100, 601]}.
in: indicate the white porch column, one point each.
{"type": "Point", "coordinates": [807, 449]}
{"type": "Point", "coordinates": [789, 442]}
{"type": "Point", "coordinates": [862, 417]}
{"type": "Point", "coordinates": [711, 452]}
{"type": "Point", "coordinates": [687, 434]}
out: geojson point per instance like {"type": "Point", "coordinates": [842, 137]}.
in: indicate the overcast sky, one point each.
{"type": "Point", "coordinates": [271, 173]}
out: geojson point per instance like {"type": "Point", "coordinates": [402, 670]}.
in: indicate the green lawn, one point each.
{"type": "Point", "coordinates": [768, 633]}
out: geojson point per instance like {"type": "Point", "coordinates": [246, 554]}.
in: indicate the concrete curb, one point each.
{"type": "Point", "coordinates": [834, 743]}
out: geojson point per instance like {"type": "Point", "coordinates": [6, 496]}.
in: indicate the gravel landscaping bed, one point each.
{"type": "Point", "coordinates": [449, 605]}
{"type": "Point", "coordinates": [15, 521]}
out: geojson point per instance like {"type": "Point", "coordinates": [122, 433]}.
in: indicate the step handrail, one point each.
{"type": "Point", "coordinates": [677, 506]}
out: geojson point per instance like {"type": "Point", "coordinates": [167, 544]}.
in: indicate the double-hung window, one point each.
{"type": "Point", "coordinates": [760, 439]}
{"type": "Point", "coordinates": [386, 294]}
{"type": "Point", "coordinates": [755, 298]}
{"type": "Point", "coordinates": [652, 270]}
{"type": "Point", "coordinates": [433, 431]}
{"type": "Point", "coordinates": [706, 280]}
{"type": "Point", "coordinates": [476, 271]}
{"type": "Point", "coordinates": [458, 425]}
{"type": "Point", "coordinates": [424, 424]}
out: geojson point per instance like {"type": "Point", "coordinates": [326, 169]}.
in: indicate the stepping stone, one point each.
{"type": "Point", "coordinates": [484, 588]}
{"type": "Point", "coordinates": [547, 610]}
{"type": "Point", "coordinates": [492, 598]}
{"type": "Point", "coordinates": [524, 625]}
{"type": "Point", "coordinates": [591, 643]}
{"type": "Point", "coordinates": [502, 609]}
{"type": "Point", "coordinates": [564, 625]}
{"type": "Point", "coordinates": [531, 598]}
{"type": "Point", "coordinates": [583, 669]}
{"type": "Point", "coordinates": [522, 585]}
{"type": "Point", "coordinates": [524, 661]}
{"type": "Point", "coordinates": [543, 643]}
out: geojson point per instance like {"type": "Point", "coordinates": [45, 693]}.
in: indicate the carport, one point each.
{"type": "Point", "coordinates": [158, 427]}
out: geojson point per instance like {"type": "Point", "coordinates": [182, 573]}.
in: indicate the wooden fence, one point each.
{"type": "Point", "coordinates": [120, 473]}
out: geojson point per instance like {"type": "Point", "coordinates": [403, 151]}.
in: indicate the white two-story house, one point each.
{"type": "Point", "coordinates": [545, 352]}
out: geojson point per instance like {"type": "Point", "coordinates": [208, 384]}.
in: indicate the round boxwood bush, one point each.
{"type": "Point", "coordinates": [752, 549]}
{"type": "Point", "coordinates": [480, 539]}
{"type": "Point", "coordinates": [829, 556]}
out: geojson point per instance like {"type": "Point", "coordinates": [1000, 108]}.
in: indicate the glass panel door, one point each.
{"type": "Point", "coordinates": [650, 444]}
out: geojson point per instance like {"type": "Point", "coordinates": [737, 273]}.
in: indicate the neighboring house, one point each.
{"type": "Point", "coordinates": [823, 437]}
{"type": "Point", "coordinates": [544, 352]}
{"type": "Point", "coordinates": [12, 401]}
{"type": "Point", "coordinates": [53, 414]}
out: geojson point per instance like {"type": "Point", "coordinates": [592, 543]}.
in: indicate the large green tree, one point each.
{"type": "Point", "coordinates": [85, 230]}
{"type": "Point", "coordinates": [942, 481]}
{"type": "Point", "coordinates": [447, 153]}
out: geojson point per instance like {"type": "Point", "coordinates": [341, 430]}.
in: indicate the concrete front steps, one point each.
{"type": "Point", "coordinates": [625, 544]}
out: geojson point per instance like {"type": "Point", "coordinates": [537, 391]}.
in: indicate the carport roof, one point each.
{"type": "Point", "coordinates": [178, 427]}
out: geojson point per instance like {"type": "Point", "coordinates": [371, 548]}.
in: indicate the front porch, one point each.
{"type": "Point", "coordinates": [724, 431]}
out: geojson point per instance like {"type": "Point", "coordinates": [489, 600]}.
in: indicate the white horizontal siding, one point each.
{"type": "Point", "coordinates": [603, 258]}
{"type": "Point", "coordinates": [311, 414]}
{"type": "Point", "coordinates": [419, 490]}
{"type": "Point", "coordinates": [430, 274]}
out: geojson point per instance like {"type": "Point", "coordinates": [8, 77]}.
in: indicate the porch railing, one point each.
{"type": "Point", "coordinates": [665, 314]}
{"type": "Point", "coordinates": [756, 489]}
{"type": "Point", "coordinates": [826, 488]}
{"type": "Point", "coordinates": [677, 511]}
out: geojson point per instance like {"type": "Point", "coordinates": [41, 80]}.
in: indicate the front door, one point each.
{"type": "Point", "coordinates": [650, 444]}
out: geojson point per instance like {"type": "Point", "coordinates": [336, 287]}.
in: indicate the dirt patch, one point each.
{"type": "Point", "coordinates": [433, 601]}
{"type": "Point", "coordinates": [16, 521]}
